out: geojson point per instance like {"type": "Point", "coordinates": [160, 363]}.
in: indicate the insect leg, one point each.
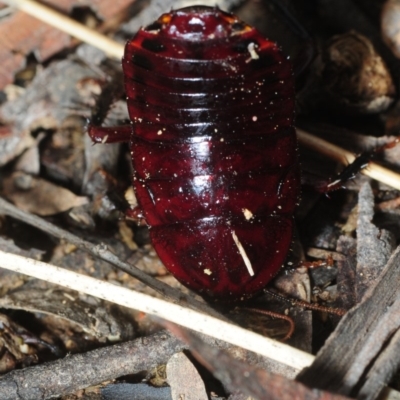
{"type": "Point", "coordinates": [354, 168]}
{"type": "Point", "coordinates": [304, 304]}
{"type": "Point", "coordinates": [274, 315]}
{"type": "Point", "coordinates": [115, 134]}
{"type": "Point", "coordinates": [136, 214]}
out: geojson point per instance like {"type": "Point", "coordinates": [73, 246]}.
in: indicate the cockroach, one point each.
{"type": "Point", "coordinates": [214, 149]}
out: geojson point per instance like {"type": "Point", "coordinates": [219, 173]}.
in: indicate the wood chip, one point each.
{"type": "Point", "coordinates": [185, 381]}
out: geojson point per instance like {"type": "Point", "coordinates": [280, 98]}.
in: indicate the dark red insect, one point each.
{"type": "Point", "coordinates": [213, 148]}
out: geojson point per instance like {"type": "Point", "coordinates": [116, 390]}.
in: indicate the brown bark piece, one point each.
{"type": "Point", "coordinates": [83, 370]}
{"type": "Point", "coordinates": [374, 245]}
{"type": "Point", "coordinates": [350, 351]}
{"type": "Point", "coordinates": [347, 246]}
{"type": "Point", "coordinates": [98, 320]}
{"type": "Point", "coordinates": [385, 367]}
{"type": "Point", "coordinates": [22, 34]}
{"type": "Point", "coordinates": [185, 381]}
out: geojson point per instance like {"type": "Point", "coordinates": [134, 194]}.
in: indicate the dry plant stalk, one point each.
{"type": "Point", "coordinates": [160, 308]}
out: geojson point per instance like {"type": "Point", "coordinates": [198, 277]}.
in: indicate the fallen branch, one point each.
{"type": "Point", "coordinates": [80, 371]}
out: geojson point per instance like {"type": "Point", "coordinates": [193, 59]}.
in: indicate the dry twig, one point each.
{"type": "Point", "coordinates": [80, 371]}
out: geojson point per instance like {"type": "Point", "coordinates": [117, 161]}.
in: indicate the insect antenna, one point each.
{"type": "Point", "coordinates": [304, 304]}
{"type": "Point", "coordinates": [274, 315]}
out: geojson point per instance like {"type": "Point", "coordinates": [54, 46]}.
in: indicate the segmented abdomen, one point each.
{"type": "Point", "coordinates": [214, 155]}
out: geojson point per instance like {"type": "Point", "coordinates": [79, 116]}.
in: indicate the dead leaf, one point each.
{"type": "Point", "coordinates": [67, 313]}
{"type": "Point", "coordinates": [39, 196]}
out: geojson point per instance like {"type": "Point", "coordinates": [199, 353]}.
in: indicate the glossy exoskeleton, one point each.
{"type": "Point", "coordinates": [213, 148]}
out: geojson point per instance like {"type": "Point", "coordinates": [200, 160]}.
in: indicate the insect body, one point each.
{"type": "Point", "coordinates": [213, 148]}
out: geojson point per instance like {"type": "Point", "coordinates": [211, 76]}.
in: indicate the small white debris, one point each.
{"type": "Point", "coordinates": [243, 254]}
{"type": "Point", "coordinates": [24, 348]}
{"type": "Point", "coordinates": [159, 132]}
{"type": "Point", "coordinates": [104, 140]}
{"type": "Point", "coordinates": [254, 118]}
{"type": "Point", "coordinates": [247, 213]}
{"type": "Point", "coordinates": [207, 271]}
{"type": "Point", "coordinates": [252, 50]}
{"type": "Point", "coordinates": [334, 183]}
